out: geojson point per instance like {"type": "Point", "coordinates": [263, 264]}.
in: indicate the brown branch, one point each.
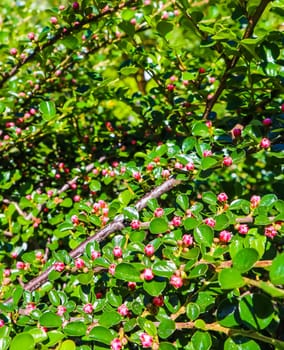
{"type": "Point", "coordinates": [116, 225]}
{"type": "Point", "coordinates": [61, 34]}
{"type": "Point", "coordinates": [231, 64]}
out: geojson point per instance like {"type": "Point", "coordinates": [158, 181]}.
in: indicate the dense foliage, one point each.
{"type": "Point", "coordinates": [141, 175]}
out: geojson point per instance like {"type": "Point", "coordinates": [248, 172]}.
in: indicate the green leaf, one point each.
{"type": "Point", "coordinates": [164, 268]}
{"type": "Point", "coordinates": [166, 328]}
{"type": "Point", "coordinates": [201, 340]}
{"type": "Point", "coordinates": [67, 345]}
{"type": "Point", "coordinates": [70, 42]}
{"type": "Point", "coordinates": [148, 326]}
{"type": "Point", "coordinates": [23, 341]}
{"type": "Point", "coordinates": [222, 221]}
{"type": "Point", "coordinates": [230, 278]}
{"type": "Point", "coordinates": [47, 109]}
{"type": "Point", "coordinates": [182, 201]}
{"type": "Point", "coordinates": [256, 311]}
{"type": "Point", "coordinates": [38, 334]}
{"type": "Point", "coordinates": [209, 197]}
{"type": "Point", "coordinates": [198, 271]}
{"type": "Point", "coordinates": [154, 288]}
{"type": "Point", "coordinates": [158, 225]}
{"type": "Point", "coordinates": [50, 320]}
{"type": "Point", "coordinates": [276, 272]}
{"type": "Point", "coordinates": [129, 70]}
{"type": "Point", "coordinates": [75, 329]}
{"type": "Point", "coordinates": [127, 272]}
{"type": "Point", "coordinates": [101, 334]}
{"type": "Point", "coordinates": [109, 319]}
{"type": "Point", "coordinates": [131, 213]}
{"type": "Point", "coordinates": [190, 223]}
{"type": "Point", "coordinates": [166, 346]}
{"type": "Point", "coordinates": [245, 258]}
{"type": "Point", "coordinates": [54, 337]}
{"type": "Point", "coordinates": [54, 297]}
{"type": "Point", "coordinates": [95, 186]}
{"type": "Point", "coordinates": [268, 200]}
{"type": "Point", "coordinates": [67, 203]}
{"type": "Point", "coordinates": [203, 234]}
{"type": "Point", "coordinates": [208, 162]}
{"type": "Point", "coordinates": [189, 143]}
{"type": "Point", "coordinates": [227, 313]}
{"type": "Point", "coordinates": [4, 342]}
{"type": "Point", "coordinates": [192, 311]}
{"type": "Point", "coordinates": [200, 129]}
{"type": "Point", "coordinates": [240, 343]}
{"type": "Point", "coordinates": [164, 27]}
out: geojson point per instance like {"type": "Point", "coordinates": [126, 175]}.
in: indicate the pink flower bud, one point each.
{"type": "Point", "coordinates": [117, 252]}
{"type": "Point", "coordinates": [146, 340]}
{"type": "Point", "coordinates": [176, 281]}
{"type": "Point", "coordinates": [165, 173]}
{"type": "Point", "coordinates": [254, 201]}
{"type": "Point", "coordinates": [270, 231]}
{"type": "Point", "coordinates": [187, 240]}
{"type": "Point", "coordinates": [111, 269]}
{"type": "Point", "coordinates": [2, 323]}
{"type": "Point", "coordinates": [137, 176]}
{"type": "Point", "coordinates": [265, 143]}
{"type": "Point", "coordinates": [237, 132]}
{"type": "Point", "coordinates": [267, 121]}
{"type": "Point", "coordinates": [148, 274]}
{"type": "Point", "coordinates": [53, 20]}
{"type": "Point", "coordinates": [20, 265]}
{"type": "Point", "coordinates": [88, 308]}
{"type": "Point", "coordinates": [158, 212]}
{"type": "Point", "coordinates": [131, 285]}
{"type": "Point", "coordinates": [222, 197]}
{"type": "Point", "coordinates": [210, 222]}
{"type": "Point", "coordinates": [189, 166]}
{"type": "Point", "coordinates": [207, 153]}
{"type": "Point", "coordinates": [225, 236]}
{"type": "Point", "coordinates": [227, 161]}
{"type": "Point", "coordinates": [59, 266]}
{"type": "Point", "coordinates": [158, 301]}
{"type": "Point", "coordinates": [176, 221]}
{"type": "Point", "coordinates": [79, 263]}
{"type": "Point", "coordinates": [61, 310]}
{"type": "Point", "coordinates": [95, 254]}
{"type": "Point", "coordinates": [149, 250]}
{"type": "Point", "coordinates": [75, 220]}
{"type": "Point", "coordinates": [123, 310]}
{"type": "Point", "coordinates": [31, 36]}
{"type": "Point", "coordinates": [243, 229]}
{"type": "Point", "coordinates": [13, 51]}
{"type": "Point", "coordinates": [116, 344]}
{"type": "Point", "coordinates": [135, 224]}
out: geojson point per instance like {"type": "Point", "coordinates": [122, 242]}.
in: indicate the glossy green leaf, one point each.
{"type": "Point", "coordinates": [109, 319]}
{"type": "Point", "coordinates": [256, 311]}
{"type": "Point", "coordinates": [192, 311]}
{"type": "Point", "coordinates": [241, 343]}
{"type": "Point", "coordinates": [4, 343]}
{"type": "Point", "coordinates": [209, 197]}
{"type": "Point", "coordinates": [164, 27]}
{"type": "Point", "coordinates": [166, 328]}
{"type": "Point", "coordinates": [131, 213]}
{"type": "Point", "coordinates": [95, 186]}
{"type": "Point", "coordinates": [50, 320]}
{"type": "Point", "coordinates": [190, 223]}
{"type": "Point", "coordinates": [201, 340]}
{"type": "Point", "coordinates": [127, 272]}
{"type": "Point", "coordinates": [101, 334]}
{"type": "Point", "coordinates": [67, 345]}
{"type": "Point", "coordinates": [148, 326]}
{"type": "Point", "coordinates": [166, 346]}
{"type": "Point", "coordinates": [129, 70]}
{"type": "Point", "coordinates": [23, 341]}
{"type": "Point", "coordinates": [48, 110]}
{"type": "Point", "coordinates": [38, 334]}
{"type": "Point", "coordinates": [208, 162]}
{"type": "Point", "coordinates": [158, 225]}
{"type": "Point", "coordinates": [203, 234]}
{"type": "Point", "coordinates": [200, 129]}
{"type": "Point", "coordinates": [245, 258]}
{"type": "Point", "coordinates": [154, 288]}
{"type": "Point", "coordinates": [276, 272]}
{"type": "Point", "coordinates": [230, 278]}
{"type": "Point", "coordinates": [164, 268]}
{"type": "Point", "coordinates": [227, 313]}
{"type": "Point", "coordinates": [182, 201]}
{"type": "Point", "coordinates": [75, 329]}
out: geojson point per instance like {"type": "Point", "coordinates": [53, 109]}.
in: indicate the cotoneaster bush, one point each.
{"type": "Point", "coordinates": [141, 175]}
